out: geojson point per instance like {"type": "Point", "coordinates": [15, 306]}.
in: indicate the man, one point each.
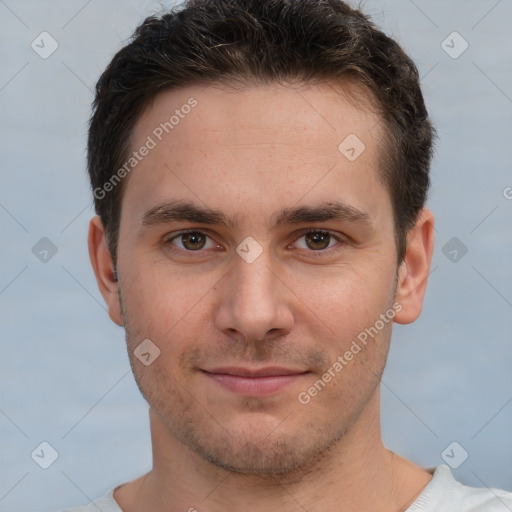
{"type": "Point", "coordinates": [260, 170]}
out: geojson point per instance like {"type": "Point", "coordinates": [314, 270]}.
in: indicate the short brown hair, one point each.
{"type": "Point", "coordinates": [254, 41]}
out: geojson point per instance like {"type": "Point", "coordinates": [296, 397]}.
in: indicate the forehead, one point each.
{"type": "Point", "coordinates": [325, 109]}
{"type": "Point", "coordinates": [272, 141]}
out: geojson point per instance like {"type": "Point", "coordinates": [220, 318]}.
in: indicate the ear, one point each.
{"type": "Point", "coordinates": [414, 269]}
{"type": "Point", "coordinates": [101, 261]}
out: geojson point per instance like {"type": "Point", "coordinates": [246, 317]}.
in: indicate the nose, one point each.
{"type": "Point", "coordinates": [254, 302]}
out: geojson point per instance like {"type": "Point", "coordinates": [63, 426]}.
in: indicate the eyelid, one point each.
{"type": "Point", "coordinates": [339, 237]}
{"type": "Point", "coordinates": [175, 234]}
{"type": "Point", "coordinates": [171, 236]}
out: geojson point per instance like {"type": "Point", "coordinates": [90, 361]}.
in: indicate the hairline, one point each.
{"type": "Point", "coordinates": [349, 87]}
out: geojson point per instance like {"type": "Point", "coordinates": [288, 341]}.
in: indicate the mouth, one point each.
{"type": "Point", "coordinates": [255, 382]}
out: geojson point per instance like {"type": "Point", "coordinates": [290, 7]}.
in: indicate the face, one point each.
{"type": "Point", "coordinates": [253, 253]}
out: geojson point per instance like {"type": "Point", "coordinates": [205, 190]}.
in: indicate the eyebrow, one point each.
{"type": "Point", "coordinates": [185, 211]}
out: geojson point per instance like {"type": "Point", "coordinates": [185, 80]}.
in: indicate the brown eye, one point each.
{"type": "Point", "coordinates": [193, 241]}
{"type": "Point", "coordinates": [319, 243]}
{"type": "Point", "coordinates": [318, 240]}
{"type": "Point", "coordinates": [190, 241]}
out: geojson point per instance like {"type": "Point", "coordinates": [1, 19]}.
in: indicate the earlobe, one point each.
{"type": "Point", "coordinates": [414, 270]}
{"type": "Point", "coordinates": [102, 264]}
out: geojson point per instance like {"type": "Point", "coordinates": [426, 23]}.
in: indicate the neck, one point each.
{"type": "Point", "coordinates": [358, 474]}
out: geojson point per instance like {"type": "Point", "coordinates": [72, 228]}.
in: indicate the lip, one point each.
{"type": "Point", "coordinates": [255, 382]}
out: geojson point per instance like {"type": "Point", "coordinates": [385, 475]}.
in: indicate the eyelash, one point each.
{"type": "Point", "coordinates": [318, 253]}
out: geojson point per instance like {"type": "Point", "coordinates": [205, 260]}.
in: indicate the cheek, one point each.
{"type": "Point", "coordinates": [332, 304]}
{"type": "Point", "coordinates": [163, 305]}
{"type": "Point", "coordinates": [346, 301]}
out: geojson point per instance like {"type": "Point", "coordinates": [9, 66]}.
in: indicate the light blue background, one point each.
{"type": "Point", "coordinates": [64, 368]}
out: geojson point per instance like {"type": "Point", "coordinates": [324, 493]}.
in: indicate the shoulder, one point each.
{"type": "Point", "coordinates": [446, 493]}
{"type": "Point", "coordinates": [105, 503]}
{"type": "Point", "coordinates": [480, 499]}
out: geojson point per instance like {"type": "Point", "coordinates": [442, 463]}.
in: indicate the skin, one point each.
{"type": "Point", "coordinates": [300, 304]}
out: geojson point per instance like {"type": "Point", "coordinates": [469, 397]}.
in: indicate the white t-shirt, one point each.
{"type": "Point", "coordinates": [442, 494]}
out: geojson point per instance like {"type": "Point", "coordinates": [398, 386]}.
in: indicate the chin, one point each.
{"type": "Point", "coordinates": [260, 451]}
